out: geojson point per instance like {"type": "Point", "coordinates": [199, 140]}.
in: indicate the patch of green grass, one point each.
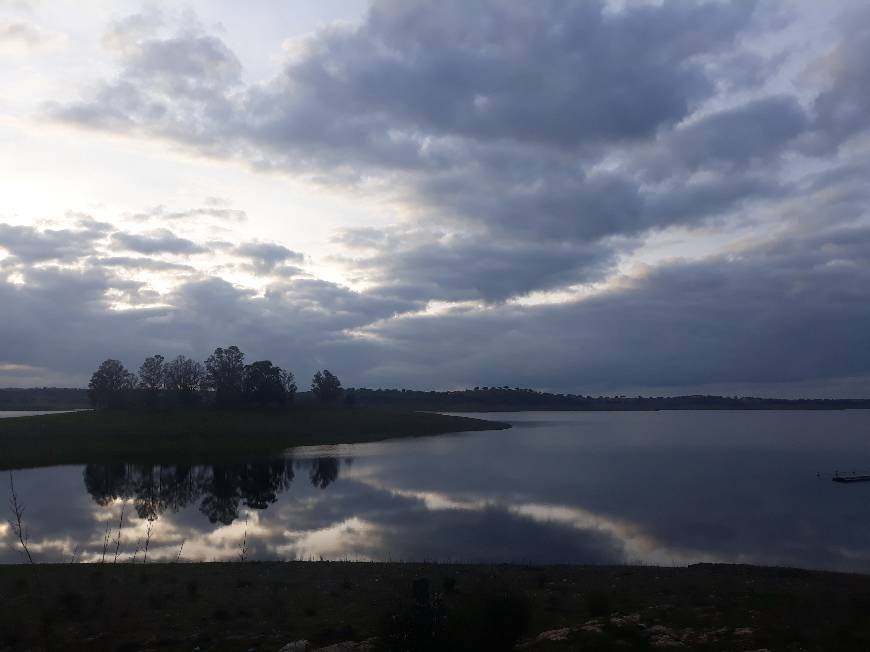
{"type": "Point", "coordinates": [203, 435]}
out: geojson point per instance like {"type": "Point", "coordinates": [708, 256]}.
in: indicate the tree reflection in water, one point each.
{"type": "Point", "coordinates": [220, 489]}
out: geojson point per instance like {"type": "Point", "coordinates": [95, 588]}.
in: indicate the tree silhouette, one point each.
{"type": "Point", "coordinates": [151, 378]}
{"type": "Point", "coordinates": [265, 384]}
{"type": "Point", "coordinates": [323, 471]}
{"type": "Point", "coordinates": [184, 377]}
{"type": "Point", "coordinates": [110, 385]}
{"type": "Point", "coordinates": [220, 489]}
{"type": "Point", "coordinates": [225, 371]}
{"type": "Point", "coordinates": [326, 386]}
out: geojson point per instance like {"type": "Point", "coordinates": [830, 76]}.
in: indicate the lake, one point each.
{"type": "Point", "coordinates": [592, 488]}
{"type": "Point", "coordinates": [6, 414]}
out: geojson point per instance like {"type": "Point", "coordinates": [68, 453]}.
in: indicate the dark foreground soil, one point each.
{"type": "Point", "coordinates": [266, 606]}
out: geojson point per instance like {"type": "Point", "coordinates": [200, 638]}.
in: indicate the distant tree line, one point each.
{"type": "Point", "coordinates": [478, 399]}
{"type": "Point", "coordinates": [507, 399]}
{"type": "Point", "coordinates": [223, 379]}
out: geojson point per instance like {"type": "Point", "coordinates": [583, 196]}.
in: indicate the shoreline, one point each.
{"type": "Point", "coordinates": [267, 605]}
{"type": "Point", "coordinates": [206, 435]}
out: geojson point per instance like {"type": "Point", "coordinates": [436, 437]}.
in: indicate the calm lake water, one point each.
{"type": "Point", "coordinates": [649, 487]}
{"type": "Point", "coordinates": [5, 414]}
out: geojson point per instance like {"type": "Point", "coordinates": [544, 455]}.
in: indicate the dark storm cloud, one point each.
{"type": "Point", "coordinates": [475, 70]}
{"type": "Point", "coordinates": [462, 267]}
{"type": "Point", "coordinates": [158, 241]}
{"type": "Point", "coordinates": [440, 68]}
{"type": "Point", "coordinates": [729, 139]}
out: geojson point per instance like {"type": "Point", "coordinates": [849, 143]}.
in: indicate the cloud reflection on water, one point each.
{"type": "Point", "coordinates": [654, 488]}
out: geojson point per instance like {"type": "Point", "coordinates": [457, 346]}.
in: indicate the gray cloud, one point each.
{"type": "Point", "coordinates": [497, 130]}
{"type": "Point", "coordinates": [158, 241]}
{"type": "Point", "coordinates": [30, 244]}
{"type": "Point", "coordinates": [457, 268]}
{"type": "Point", "coordinates": [783, 312]}
{"type": "Point", "coordinates": [447, 68]}
{"type": "Point", "coordinates": [266, 256]}
{"type": "Point", "coordinates": [842, 109]}
{"type": "Point", "coordinates": [531, 147]}
{"type": "Point", "coordinates": [789, 310]}
{"type": "Point", "coordinates": [754, 132]}
{"type": "Point", "coordinates": [507, 109]}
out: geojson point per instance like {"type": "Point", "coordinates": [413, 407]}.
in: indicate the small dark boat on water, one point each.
{"type": "Point", "coordinates": [851, 478]}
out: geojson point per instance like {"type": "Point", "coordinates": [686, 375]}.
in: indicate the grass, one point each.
{"type": "Point", "coordinates": [203, 435]}
{"type": "Point", "coordinates": [263, 606]}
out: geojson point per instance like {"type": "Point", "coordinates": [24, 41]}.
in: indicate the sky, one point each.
{"type": "Point", "coordinates": [596, 197]}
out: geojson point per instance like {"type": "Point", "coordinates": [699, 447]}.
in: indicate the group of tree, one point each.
{"type": "Point", "coordinates": [224, 378]}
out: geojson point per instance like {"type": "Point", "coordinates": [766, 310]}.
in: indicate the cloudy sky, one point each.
{"type": "Point", "coordinates": [588, 196]}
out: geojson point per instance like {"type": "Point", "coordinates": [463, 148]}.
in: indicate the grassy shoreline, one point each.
{"type": "Point", "coordinates": [206, 435]}
{"type": "Point", "coordinates": [264, 606]}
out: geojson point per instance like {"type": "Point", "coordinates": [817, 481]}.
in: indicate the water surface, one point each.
{"type": "Point", "coordinates": [5, 414]}
{"type": "Point", "coordinates": [615, 487]}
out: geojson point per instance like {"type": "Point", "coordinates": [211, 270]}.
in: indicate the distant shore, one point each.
{"type": "Point", "coordinates": [266, 606]}
{"type": "Point", "coordinates": [202, 435]}
{"type": "Point", "coordinates": [480, 399]}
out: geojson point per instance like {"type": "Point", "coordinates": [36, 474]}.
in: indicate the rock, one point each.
{"type": "Point", "coordinates": [562, 634]}
{"type": "Point", "coordinates": [662, 637]}
{"type": "Point", "coordinates": [296, 646]}
{"type": "Point", "coordinates": [742, 632]}
{"type": "Point", "coordinates": [629, 620]}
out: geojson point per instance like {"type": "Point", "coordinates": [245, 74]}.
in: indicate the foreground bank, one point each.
{"type": "Point", "coordinates": [205, 434]}
{"type": "Point", "coordinates": [265, 606]}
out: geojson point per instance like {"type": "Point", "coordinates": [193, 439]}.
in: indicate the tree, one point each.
{"type": "Point", "coordinates": [326, 386]}
{"type": "Point", "coordinates": [266, 384]}
{"type": "Point", "coordinates": [151, 378]}
{"type": "Point", "coordinates": [184, 377]}
{"type": "Point", "coordinates": [110, 385]}
{"type": "Point", "coordinates": [225, 372]}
